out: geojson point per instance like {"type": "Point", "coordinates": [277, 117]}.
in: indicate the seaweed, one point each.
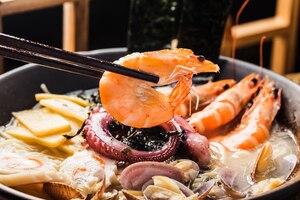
{"type": "Point", "coordinates": [152, 24]}
{"type": "Point", "coordinates": [201, 26]}
{"type": "Point", "coordinates": [197, 24]}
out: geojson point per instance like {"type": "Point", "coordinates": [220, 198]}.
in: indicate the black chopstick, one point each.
{"type": "Point", "coordinates": [63, 60]}
{"type": "Point", "coordinates": [24, 56]}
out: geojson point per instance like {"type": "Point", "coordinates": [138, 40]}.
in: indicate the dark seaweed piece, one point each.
{"type": "Point", "coordinates": [152, 24]}
{"type": "Point", "coordinates": [143, 139]}
{"type": "Point", "coordinates": [202, 26]}
{"type": "Point", "coordinates": [80, 130]}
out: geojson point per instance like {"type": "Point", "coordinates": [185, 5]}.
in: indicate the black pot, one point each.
{"type": "Point", "coordinates": [17, 89]}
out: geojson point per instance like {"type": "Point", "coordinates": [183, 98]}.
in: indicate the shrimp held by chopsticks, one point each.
{"type": "Point", "coordinates": [256, 122]}
{"type": "Point", "coordinates": [136, 103]}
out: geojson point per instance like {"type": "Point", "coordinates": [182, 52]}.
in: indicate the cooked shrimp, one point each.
{"type": "Point", "coordinates": [136, 103]}
{"type": "Point", "coordinates": [203, 95]}
{"type": "Point", "coordinates": [256, 122]}
{"type": "Point", "coordinates": [226, 106]}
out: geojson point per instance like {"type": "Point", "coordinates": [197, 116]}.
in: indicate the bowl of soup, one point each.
{"type": "Point", "coordinates": [235, 174]}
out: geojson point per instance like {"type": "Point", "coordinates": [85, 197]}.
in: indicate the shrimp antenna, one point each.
{"type": "Point", "coordinates": [237, 18]}
{"type": "Point", "coordinates": [261, 45]}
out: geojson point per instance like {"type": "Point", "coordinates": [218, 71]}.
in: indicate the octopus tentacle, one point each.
{"type": "Point", "coordinates": [102, 141]}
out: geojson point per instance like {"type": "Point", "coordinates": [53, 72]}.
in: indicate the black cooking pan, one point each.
{"type": "Point", "coordinates": [17, 89]}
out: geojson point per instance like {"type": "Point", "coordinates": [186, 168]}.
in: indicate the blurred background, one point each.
{"type": "Point", "coordinates": [108, 27]}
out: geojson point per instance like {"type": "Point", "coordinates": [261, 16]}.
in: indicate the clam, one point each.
{"type": "Point", "coordinates": [101, 187]}
{"type": "Point", "coordinates": [264, 163]}
{"type": "Point", "coordinates": [136, 175]}
{"type": "Point", "coordinates": [189, 168]}
{"type": "Point", "coordinates": [83, 177]}
{"type": "Point", "coordinates": [113, 195]}
{"type": "Point", "coordinates": [228, 178]}
{"type": "Point", "coordinates": [133, 194]}
{"type": "Point", "coordinates": [153, 192]}
{"type": "Point", "coordinates": [166, 188]}
{"type": "Point", "coordinates": [204, 188]}
{"type": "Point", "coordinates": [61, 191]}
{"type": "Point", "coordinates": [286, 166]}
{"type": "Point", "coordinates": [281, 167]}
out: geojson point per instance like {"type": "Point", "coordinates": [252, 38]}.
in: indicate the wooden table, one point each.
{"type": "Point", "coordinates": [75, 19]}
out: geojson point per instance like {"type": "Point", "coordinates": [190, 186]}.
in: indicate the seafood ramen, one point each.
{"type": "Point", "coordinates": [219, 140]}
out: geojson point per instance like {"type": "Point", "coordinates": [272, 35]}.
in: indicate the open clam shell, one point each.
{"type": "Point", "coordinates": [204, 188]}
{"type": "Point", "coordinates": [136, 175]}
{"type": "Point", "coordinates": [286, 166]}
{"type": "Point", "coordinates": [264, 163]}
{"type": "Point", "coordinates": [61, 191]}
{"type": "Point", "coordinates": [170, 188]}
{"type": "Point", "coordinates": [113, 195]}
{"type": "Point", "coordinates": [133, 194]}
{"type": "Point", "coordinates": [281, 167]}
{"type": "Point", "coordinates": [228, 179]}
{"type": "Point", "coordinates": [98, 195]}
{"type": "Point", "coordinates": [189, 168]}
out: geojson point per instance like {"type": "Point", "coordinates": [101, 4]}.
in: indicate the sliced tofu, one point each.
{"type": "Point", "coordinates": [72, 146]}
{"type": "Point", "coordinates": [66, 108]}
{"type": "Point", "coordinates": [76, 100]}
{"type": "Point", "coordinates": [42, 122]}
{"type": "Point", "coordinates": [24, 134]}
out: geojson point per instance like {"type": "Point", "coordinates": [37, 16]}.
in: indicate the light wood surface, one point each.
{"type": "Point", "coordinates": [281, 28]}
{"type": "Point", "coordinates": [75, 19]}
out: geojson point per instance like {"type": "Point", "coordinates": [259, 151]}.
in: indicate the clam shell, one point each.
{"type": "Point", "coordinates": [155, 193]}
{"type": "Point", "coordinates": [204, 189]}
{"type": "Point", "coordinates": [189, 168]}
{"type": "Point", "coordinates": [98, 195]}
{"type": "Point", "coordinates": [169, 184]}
{"type": "Point", "coordinates": [61, 191]}
{"type": "Point", "coordinates": [114, 195]}
{"type": "Point", "coordinates": [286, 166]}
{"type": "Point", "coordinates": [264, 163]}
{"type": "Point", "coordinates": [228, 179]}
{"type": "Point", "coordinates": [136, 175]}
{"type": "Point", "coordinates": [133, 195]}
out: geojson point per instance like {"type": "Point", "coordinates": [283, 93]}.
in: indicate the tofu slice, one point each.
{"type": "Point", "coordinates": [72, 146]}
{"type": "Point", "coordinates": [25, 135]}
{"type": "Point", "coordinates": [66, 108]}
{"type": "Point", "coordinates": [76, 100]}
{"type": "Point", "coordinates": [42, 122]}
